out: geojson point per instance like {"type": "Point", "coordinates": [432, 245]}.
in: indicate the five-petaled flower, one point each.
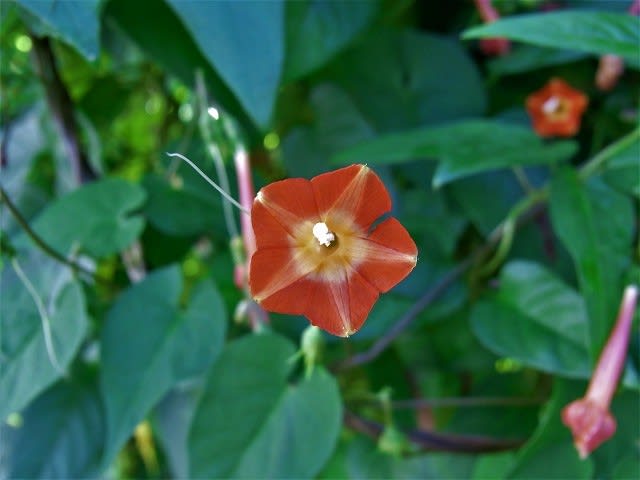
{"type": "Point", "coordinates": [556, 109]}
{"type": "Point", "coordinates": [589, 418]}
{"type": "Point", "coordinates": [320, 252]}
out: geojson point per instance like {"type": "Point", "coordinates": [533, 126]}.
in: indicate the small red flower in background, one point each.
{"type": "Point", "coordinates": [556, 109]}
{"type": "Point", "coordinates": [317, 254]}
{"type": "Point", "coordinates": [589, 418]}
{"type": "Point", "coordinates": [491, 46]}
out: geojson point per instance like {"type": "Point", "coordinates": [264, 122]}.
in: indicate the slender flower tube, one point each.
{"type": "Point", "coordinates": [556, 109]}
{"type": "Point", "coordinates": [611, 67]}
{"type": "Point", "coordinates": [589, 418]}
{"type": "Point", "coordinates": [491, 46]}
{"type": "Point", "coordinates": [318, 251]}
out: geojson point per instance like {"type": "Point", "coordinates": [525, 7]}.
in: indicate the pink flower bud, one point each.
{"type": "Point", "coordinates": [589, 418]}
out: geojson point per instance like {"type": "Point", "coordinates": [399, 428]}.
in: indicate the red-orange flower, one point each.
{"type": "Point", "coordinates": [318, 251]}
{"type": "Point", "coordinates": [556, 109]}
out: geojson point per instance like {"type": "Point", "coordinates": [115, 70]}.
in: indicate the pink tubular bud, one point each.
{"type": "Point", "coordinates": [589, 418]}
{"type": "Point", "coordinates": [491, 46]}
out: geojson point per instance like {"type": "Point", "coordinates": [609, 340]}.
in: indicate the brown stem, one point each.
{"type": "Point", "coordinates": [432, 441]}
{"type": "Point", "coordinates": [61, 106]}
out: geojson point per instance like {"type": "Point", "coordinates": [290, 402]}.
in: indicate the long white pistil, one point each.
{"type": "Point", "coordinates": [322, 234]}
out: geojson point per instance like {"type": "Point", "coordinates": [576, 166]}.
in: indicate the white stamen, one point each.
{"type": "Point", "coordinates": [551, 105]}
{"type": "Point", "coordinates": [322, 234]}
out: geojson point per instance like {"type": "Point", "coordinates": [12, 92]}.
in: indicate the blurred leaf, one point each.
{"type": "Point", "coordinates": [76, 22]}
{"type": "Point", "coordinates": [462, 148]}
{"type": "Point", "coordinates": [26, 142]}
{"type": "Point", "coordinates": [178, 52]}
{"type": "Point", "coordinates": [274, 430]}
{"type": "Point", "coordinates": [182, 211]}
{"type": "Point", "coordinates": [599, 33]}
{"type": "Point", "coordinates": [95, 218]}
{"type": "Point", "coordinates": [595, 223]}
{"type": "Point", "coordinates": [403, 79]}
{"type": "Point", "coordinates": [493, 466]}
{"type": "Point", "coordinates": [535, 319]}
{"type": "Point", "coordinates": [365, 461]}
{"type": "Point", "coordinates": [628, 156]}
{"type": "Point", "coordinates": [550, 452]}
{"type": "Point", "coordinates": [61, 435]}
{"type": "Point", "coordinates": [172, 419]}
{"type": "Point", "coordinates": [620, 451]}
{"type": "Point", "coordinates": [525, 58]}
{"type": "Point", "coordinates": [337, 124]}
{"type": "Point", "coordinates": [317, 30]}
{"type": "Point", "coordinates": [150, 342]}
{"type": "Point", "coordinates": [25, 367]}
{"type": "Point", "coordinates": [245, 46]}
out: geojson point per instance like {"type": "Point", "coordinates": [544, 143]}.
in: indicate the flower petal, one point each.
{"type": "Point", "coordinates": [389, 255]}
{"type": "Point", "coordinates": [290, 202]}
{"type": "Point", "coordinates": [269, 232]}
{"type": "Point", "coordinates": [272, 270]}
{"type": "Point", "coordinates": [356, 190]}
{"type": "Point", "coordinates": [341, 307]}
{"type": "Point", "coordinates": [293, 299]}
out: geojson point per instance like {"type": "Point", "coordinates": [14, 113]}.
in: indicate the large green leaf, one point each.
{"type": "Point", "coordinates": [550, 452]}
{"type": "Point", "coordinates": [245, 44]}
{"type": "Point", "coordinates": [317, 30]}
{"type": "Point", "coordinates": [365, 461]}
{"type": "Point", "coordinates": [536, 319]}
{"type": "Point", "coordinates": [526, 58]}
{"type": "Point", "coordinates": [177, 53]}
{"type": "Point", "coordinates": [337, 124]}
{"type": "Point", "coordinates": [75, 22]}
{"type": "Point", "coordinates": [185, 210]}
{"type": "Point", "coordinates": [462, 148]}
{"type": "Point", "coordinates": [404, 79]}
{"type": "Point", "coordinates": [61, 434]}
{"type": "Point", "coordinates": [593, 32]}
{"type": "Point", "coordinates": [96, 219]}
{"type": "Point", "coordinates": [25, 366]}
{"type": "Point", "coordinates": [251, 424]}
{"type": "Point", "coordinates": [595, 223]}
{"type": "Point", "coordinates": [150, 342]}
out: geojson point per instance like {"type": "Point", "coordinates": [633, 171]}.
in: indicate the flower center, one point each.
{"type": "Point", "coordinates": [554, 106]}
{"type": "Point", "coordinates": [323, 235]}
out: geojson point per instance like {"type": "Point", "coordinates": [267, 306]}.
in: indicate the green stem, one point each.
{"type": "Point", "coordinates": [612, 150]}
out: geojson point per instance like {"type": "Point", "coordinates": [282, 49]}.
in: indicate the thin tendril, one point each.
{"type": "Point", "coordinates": [44, 316]}
{"type": "Point", "coordinates": [227, 197]}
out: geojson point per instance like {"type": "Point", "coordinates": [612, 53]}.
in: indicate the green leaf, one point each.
{"type": "Point", "coordinates": [595, 224]}
{"type": "Point", "coordinates": [25, 367]}
{"type": "Point", "coordinates": [149, 343]}
{"type": "Point", "coordinates": [599, 33]}
{"type": "Point", "coordinates": [182, 211]}
{"type": "Point", "coordinates": [526, 58]}
{"type": "Point", "coordinates": [60, 436]}
{"type": "Point", "coordinates": [403, 79]}
{"type": "Point", "coordinates": [177, 53]}
{"type": "Point", "coordinates": [95, 219]}
{"type": "Point", "coordinates": [365, 461]}
{"type": "Point", "coordinates": [462, 149]}
{"type": "Point", "coordinates": [76, 22]}
{"type": "Point", "coordinates": [245, 46]}
{"type": "Point", "coordinates": [273, 430]}
{"type": "Point", "coordinates": [550, 452]}
{"type": "Point", "coordinates": [337, 124]}
{"type": "Point", "coordinates": [536, 319]}
{"type": "Point", "coordinates": [317, 30]}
